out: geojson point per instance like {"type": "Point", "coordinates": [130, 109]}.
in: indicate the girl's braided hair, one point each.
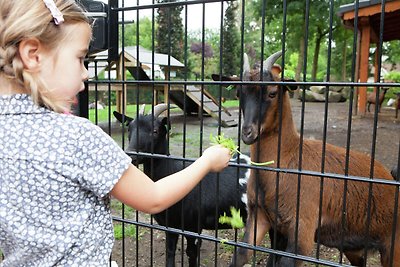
{"type": "Point", "coordinates": [23, 19]}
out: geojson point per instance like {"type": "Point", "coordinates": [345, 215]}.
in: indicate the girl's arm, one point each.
{"type": "Point", "coordinates": [137, 190]}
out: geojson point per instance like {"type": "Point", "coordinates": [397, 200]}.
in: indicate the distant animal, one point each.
{"type": "Point", "coordinates": [291, 204]}
{"type": "Point", "coordinates": [203, 206]}
{"type": "Point", "coordinates": [96, 105]}
{"type": "Point", "coordinates": [371, 99]}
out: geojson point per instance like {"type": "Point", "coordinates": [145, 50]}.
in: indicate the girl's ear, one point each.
{"type": "Point", "coordinates": [29, 51]}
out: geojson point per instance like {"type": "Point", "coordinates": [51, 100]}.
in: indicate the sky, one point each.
{"type": "Point", "coordinates": [195, 14]}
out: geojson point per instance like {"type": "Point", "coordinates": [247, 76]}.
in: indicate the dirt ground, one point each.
{"type": "Point", "coordinates": [149, 247]}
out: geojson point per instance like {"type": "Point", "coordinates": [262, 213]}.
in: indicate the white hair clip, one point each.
{"type": "Point", "coordinates": [55, 12]}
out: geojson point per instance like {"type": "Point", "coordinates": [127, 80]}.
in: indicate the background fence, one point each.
{"type": "Point", "coordinates": [149, 52]}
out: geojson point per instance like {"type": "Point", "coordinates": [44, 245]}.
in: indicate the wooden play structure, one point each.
{"type": "Point", "coordinates": [369, 15]}
{"type": "Point", "coordinates": [192, 99]}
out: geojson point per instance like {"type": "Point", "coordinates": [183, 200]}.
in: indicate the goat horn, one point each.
{"type": "Point", "coordinates": [246, 64]}
{"type": "Point", "coordinates": [269, 62]}
{"type": "Point", "coordinates": [160, 108]}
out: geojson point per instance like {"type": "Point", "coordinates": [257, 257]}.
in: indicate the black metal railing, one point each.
{"type": "Point", "coordinates": [129, 250]}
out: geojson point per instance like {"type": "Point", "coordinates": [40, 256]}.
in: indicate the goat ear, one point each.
{"type": "Point", "coordinates": [276, 69]}
{"type": "Point", "coordinates": [122, 118]}
{"type": "Point", "coordinates": [165, 122]}
{"type": "Point", "coordinates": [290, 86]}
{"type": "Point", "coordinates": [219, 78]}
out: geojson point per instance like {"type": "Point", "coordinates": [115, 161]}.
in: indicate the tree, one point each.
{"type": "Point", "coordinates": [145, 34]}
{"type": "Point", "coordinates": [170, 30]}
{"type": "Point", "coordinates": [313, 17]}
{"type": "Point", "coordinates": [231, 41]}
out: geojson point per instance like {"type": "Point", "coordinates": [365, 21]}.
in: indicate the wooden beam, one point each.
{"type": "Point", "coordinates": [363, 71]}
{"type": "Point", "coordinates": [372, 10]}
{"type": "Point", "coordinates": [121, 95]}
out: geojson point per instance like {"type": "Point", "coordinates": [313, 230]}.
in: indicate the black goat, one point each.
{"type": "Point", "coordinates": [201, 208]}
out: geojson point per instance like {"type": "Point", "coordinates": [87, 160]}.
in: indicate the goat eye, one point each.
{"type": "Point", "coordinates": [272, 94]}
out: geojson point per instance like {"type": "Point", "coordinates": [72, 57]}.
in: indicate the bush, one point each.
{"type": "Point", "coordinates": [393, 76]}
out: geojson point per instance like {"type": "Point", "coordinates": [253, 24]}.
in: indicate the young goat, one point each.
{"type": "Point", "coordinates": [348, 227]}
{"type": "Point", "coordinates": [372, 98]}
{"type": "Point", "coordinates": [202, 207]}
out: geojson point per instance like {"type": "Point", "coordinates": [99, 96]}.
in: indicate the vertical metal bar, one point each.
{"type": "Point", "coordinates": [278, 164]}
{"type": "Point", "coordinates": [153, 95]}
{"type": "Point", "coordinates": [396, 208]}
{"type": "Point", "coordinates": [349, 124]}
{"type": "Point", "coordinates": [184, 121]}
{"type": "Point", "coordinates": [201, 116]}
{"type": "Point", "coordinates": [121, 57]}
{"type": "Point", "coordinates": [112, 30]}
{"type": "Point", "coordinates": [325, 127]}
{"type": "Point", "coordinates": [374, 132]}
{"type": "Point", "coordinates": [307, 16]}
{"type": "Point", "coordinates": [219, 132]}
{"type": "Point", "coordinates": [257, 172]}
{"type": "Point", "coordinates": [242, 16]}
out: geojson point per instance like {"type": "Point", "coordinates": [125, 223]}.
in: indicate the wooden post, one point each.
{"type": "Point", "coordinates": [376, 66]}
{"type": "Point", "coordinates": [166, 73]}
{"type": "Point", "coordinates": [120, 94]}
{"type": "Point", "coordinates": [363, 72]}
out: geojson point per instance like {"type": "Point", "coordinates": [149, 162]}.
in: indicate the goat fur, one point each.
{"type": "Point", "coordinates": [203, 206]}
{"type": "Point", "coordinates": [342, 200]}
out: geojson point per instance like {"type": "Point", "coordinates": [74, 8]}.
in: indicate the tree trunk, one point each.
{"type": "Point", "coordinates": [299, 65]}
{"type": "Point", "coordinates": [316, 55]}
{"type": "Point", "coordinates": [344, 59]}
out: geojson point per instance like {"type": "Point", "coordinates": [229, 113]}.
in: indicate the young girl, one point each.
{"type": "Point", "coordinates": [57, 171]}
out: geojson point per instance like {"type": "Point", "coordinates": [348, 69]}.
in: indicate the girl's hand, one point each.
{"type": "Point", "coordinates": [218, 157]}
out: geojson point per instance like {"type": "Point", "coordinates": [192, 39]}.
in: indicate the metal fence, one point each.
{"type": "Point", "coordinates": [135, 72]}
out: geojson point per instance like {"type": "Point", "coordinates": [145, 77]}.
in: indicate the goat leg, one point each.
{"type": "Point", "coordinates": [172, 240]}
{"type": "Point", "coordinates": [192, 250]}
{"type": "Point", "coordinates": [260, 227]}
{"type": "Point", "coordinates": [356, 258]}
{"type": "Point", "coordinates": [305, 242]}
{"type": "Point", "coordinates": [281, 244]}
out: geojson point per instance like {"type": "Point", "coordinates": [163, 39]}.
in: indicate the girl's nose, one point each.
{"type": "Point", "coordinates": [85, 74]}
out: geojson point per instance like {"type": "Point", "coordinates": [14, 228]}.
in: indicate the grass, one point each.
{"type": "Point", "coordinates": [103, 114]}
{"type": "Point", "coordinates": [129, 230]}
{"type": "Point", "coordinates": [129, 213]}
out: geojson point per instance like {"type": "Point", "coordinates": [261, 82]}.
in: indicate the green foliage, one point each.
{"type": "Point", "coordinates": [230, 144]}
{"type": "Point", "coordinates": [392, 50]}
{"type": "Point", "coordinates": [200, 68]}
{"type": "Point", "coordinates": [393, 76]}
{"type": "Point", "coordinates": [225, 142]}
{"type": "Point", "coordinates": [270, 13]}
{"type": "Point", "coordinates": [129, 230]}
{"type": "Point", "coordinates": [231, 41]}
{"type": "Point", "coordinates": [170, 30]}
{"type": "Point", "coordinates": [145, 33]}
{"type": "Point", "coordinates": [236, 221]}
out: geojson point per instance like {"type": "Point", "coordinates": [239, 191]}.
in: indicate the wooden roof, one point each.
{"type": "Point", "coordinates": [369, 12]}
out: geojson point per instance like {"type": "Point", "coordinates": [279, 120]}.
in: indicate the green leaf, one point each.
{"type": "Point", "coordinates": [230, 144]}
{"type": "Point", "coordinates": [236, 221]}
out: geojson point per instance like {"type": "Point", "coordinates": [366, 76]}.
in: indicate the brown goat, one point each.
{"type": "Point", "coordinates": [372, 98]}
{"type": "Point", "coordinates": [260, 106]}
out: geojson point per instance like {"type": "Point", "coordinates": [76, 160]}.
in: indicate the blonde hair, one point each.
{"type": "Point", "coordinates": [24, 19]}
